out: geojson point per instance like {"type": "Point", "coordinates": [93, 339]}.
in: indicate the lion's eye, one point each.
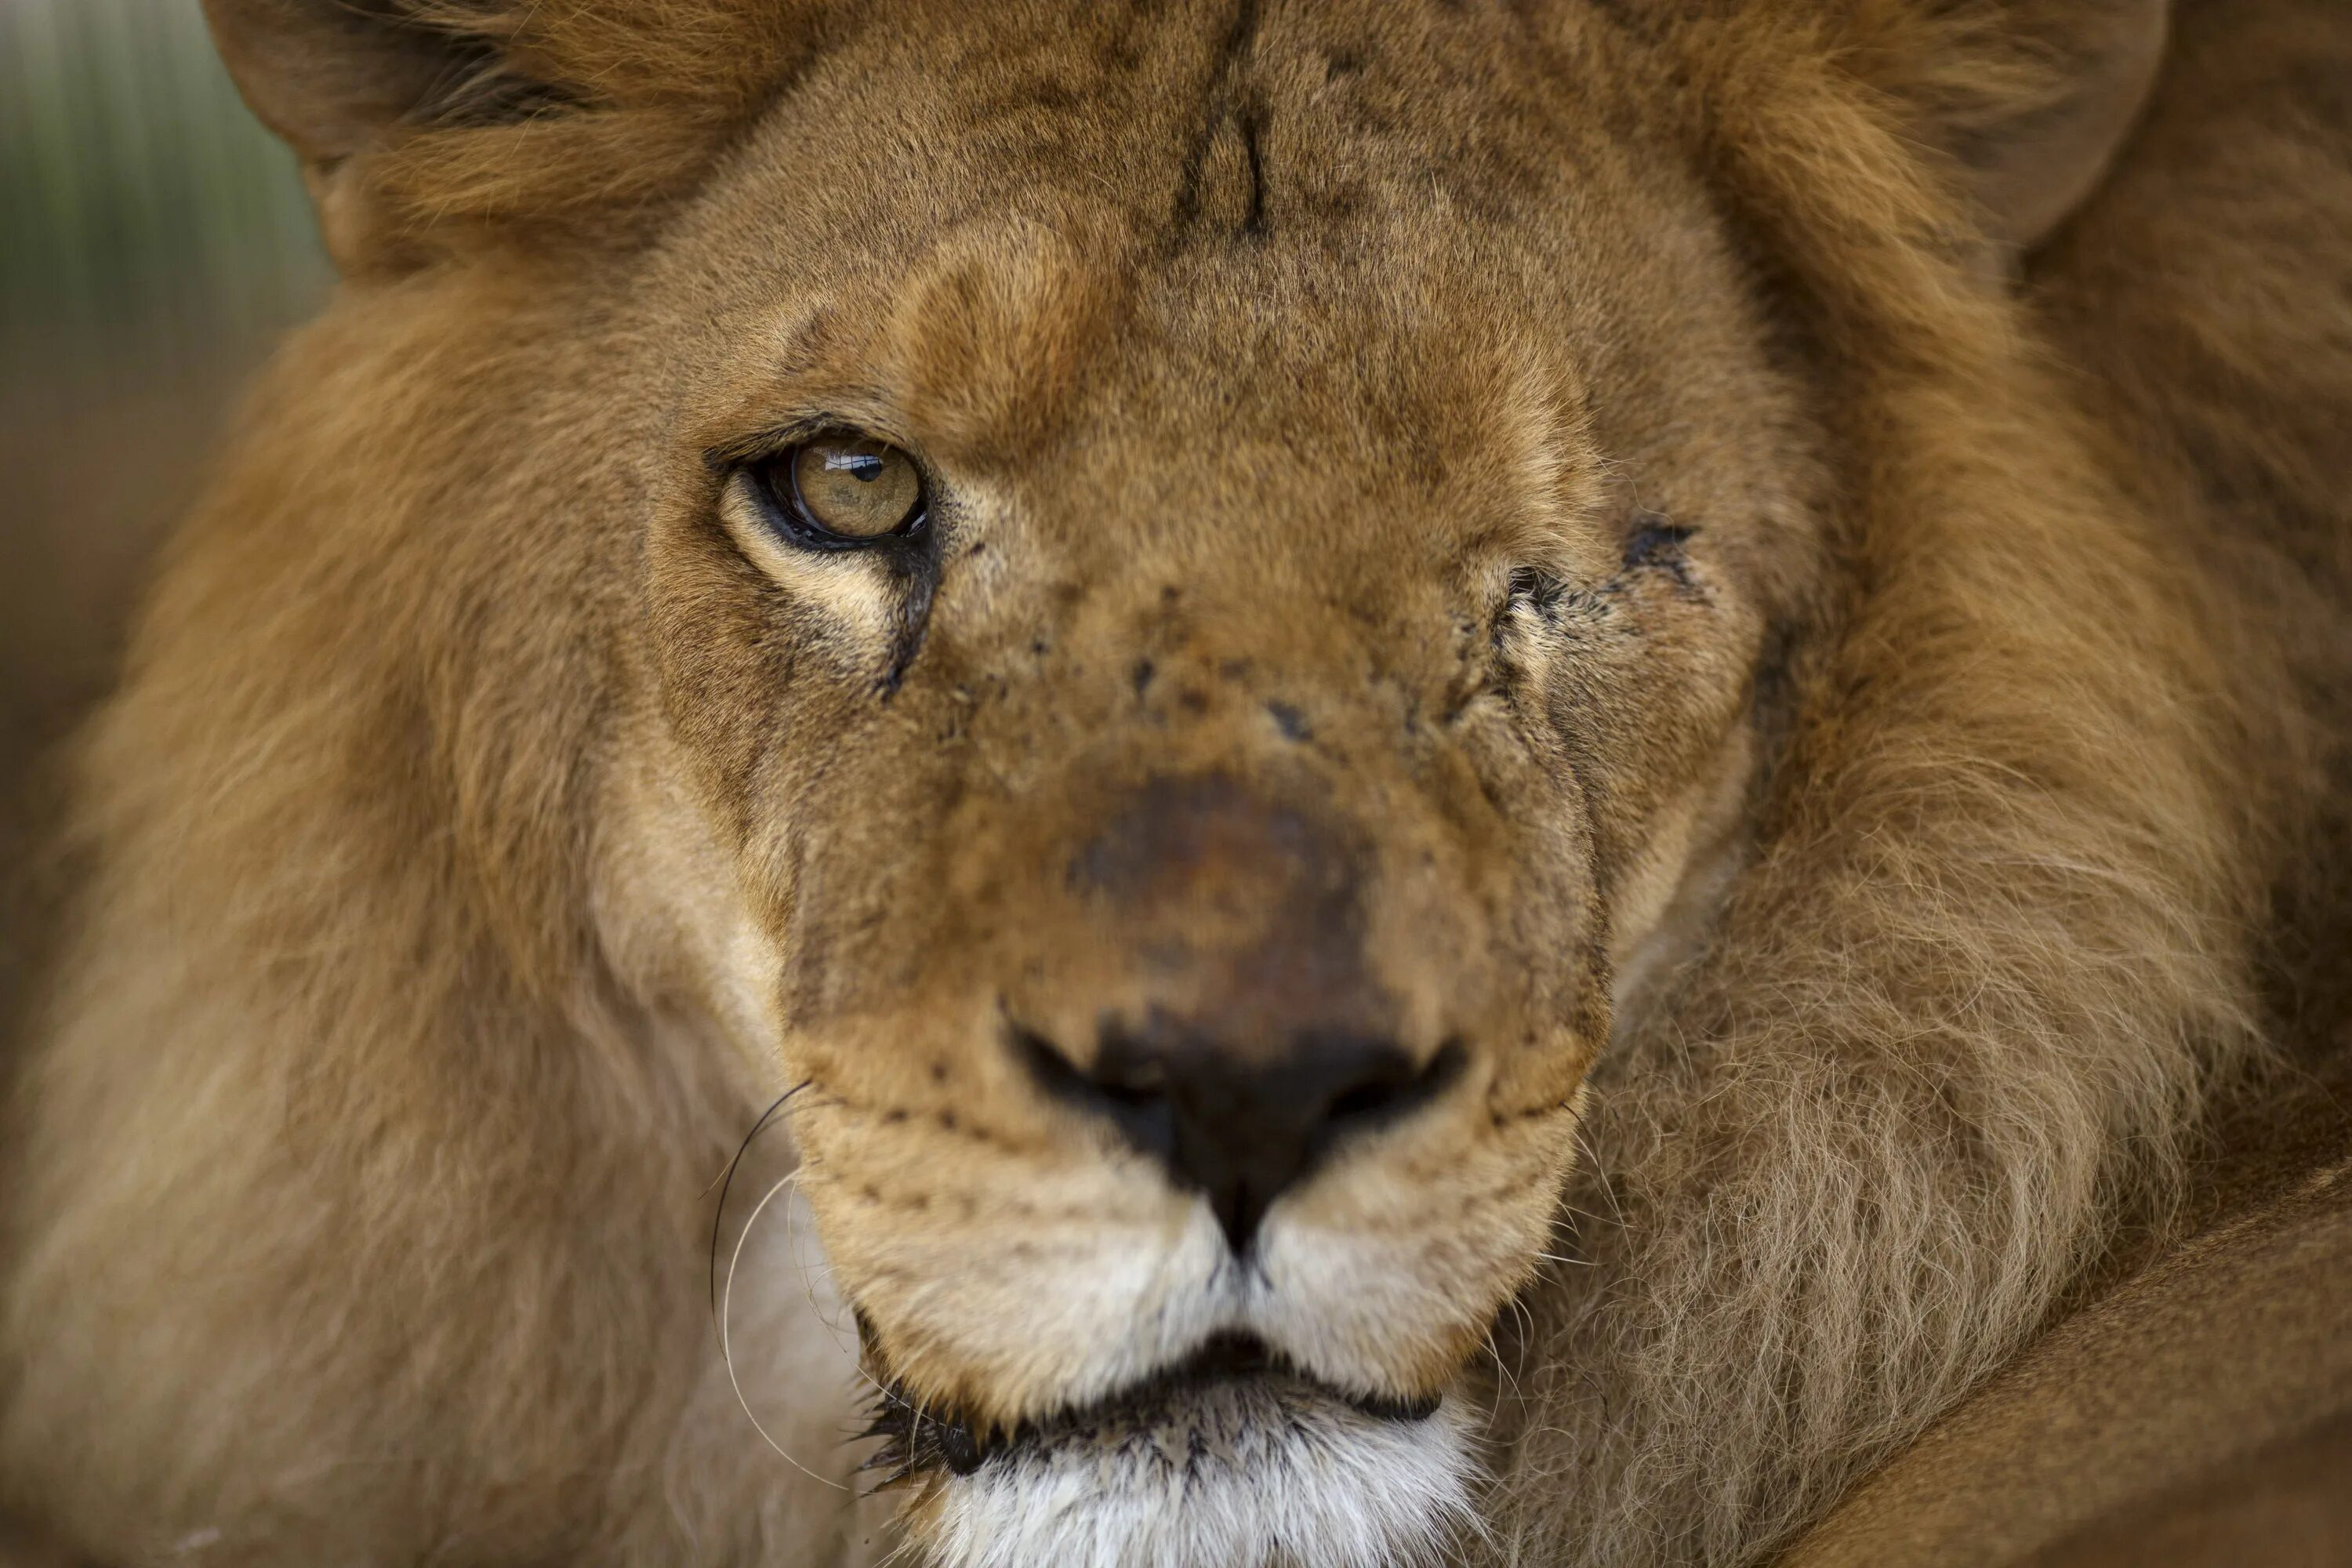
{"type": "Point", "coordinates": [844, 489]}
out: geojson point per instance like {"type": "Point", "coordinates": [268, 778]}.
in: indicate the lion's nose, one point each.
{"type": "Point", "coordinates": [1251, 1031]}
{"type": "Point", "coordinates": [1240, 1130]}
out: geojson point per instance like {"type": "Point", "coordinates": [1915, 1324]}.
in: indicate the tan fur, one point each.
{"type": "Point", "coordinates": [2188, 1417]}
{"type": "Point", "coordinates": [1858, 906]}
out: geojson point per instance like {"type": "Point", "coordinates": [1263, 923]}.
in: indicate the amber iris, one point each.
{"type": "Point", "coordinates": [854, 488]}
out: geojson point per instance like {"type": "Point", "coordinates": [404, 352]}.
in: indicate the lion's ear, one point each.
{"type": "Point", "coordinates": [2057, 94]}
{"type": "Point", "coordinates": [421, 121]}
{"type": "Point", "coordinates": [336, 77]}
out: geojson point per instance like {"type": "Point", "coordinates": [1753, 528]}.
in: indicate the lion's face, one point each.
{"type": "Point", "coordinates": [1188, 857]}
{"type": "Point", "coordinates": [1176, 613]}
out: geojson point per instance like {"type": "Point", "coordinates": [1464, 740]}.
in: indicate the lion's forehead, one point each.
{"type": "Point", "coordinates": [1226, 118]}
{"type": "Point", "coordinates": [1365, 170]}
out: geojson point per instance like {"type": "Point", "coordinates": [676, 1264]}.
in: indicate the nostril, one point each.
{"type": "Point", "coordinates": [1045, 1062]}
{"type": "Point", "coordinates": [1134, 1098]}
{"type": "Point", "coordinates": [1399, 1091]}
{"type": "Point", "coordinates": [1362, 1100]}
{"type": "Point", "coordinates": [1290, 721]}
{"type": "Point", "coordinates": [1239, 1127]}
{"type": "Point", "coordinates": [1365, 1100]}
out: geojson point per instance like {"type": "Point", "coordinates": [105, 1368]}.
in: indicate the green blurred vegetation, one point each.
{"type": "Point", "coordinates": [145, 210]}
{"type": "Point", "coordinates": [154, 243]}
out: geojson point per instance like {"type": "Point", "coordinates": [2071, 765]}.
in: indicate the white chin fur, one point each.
{"type": "Point", "coordinates": [1241, 1475]}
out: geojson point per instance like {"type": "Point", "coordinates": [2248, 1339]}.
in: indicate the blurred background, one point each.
{"type": "Point", "coordinates": [155, 242]}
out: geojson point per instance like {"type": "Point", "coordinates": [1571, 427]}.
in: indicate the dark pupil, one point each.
{"type": "Point", "coordinates": [863, 467]}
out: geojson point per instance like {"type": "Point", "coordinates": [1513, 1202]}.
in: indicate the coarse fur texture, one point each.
{"type": "Point", "coordinates": [1606, 549]}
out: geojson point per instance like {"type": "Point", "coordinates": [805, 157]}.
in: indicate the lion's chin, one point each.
{"type": "Point", "coordinates": [1261, 1471]}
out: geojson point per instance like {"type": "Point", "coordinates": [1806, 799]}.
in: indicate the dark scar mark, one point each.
{"type": "Point", "coordinates": [1656, 544]}
{"type": "Point", "coordinates": [1539, 589]}
{"type": "Point", "coordinates": [1290, 721]}
{"type": "Point", "coordinates": [1252, 129]}
{"type": "Point", "coordinates": [1222, 104]}
{"type": "Point", "coordinates": [1659, 543]}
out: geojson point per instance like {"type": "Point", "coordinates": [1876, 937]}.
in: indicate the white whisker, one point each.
{"type": "Point", "coordinates": [726, 1347]}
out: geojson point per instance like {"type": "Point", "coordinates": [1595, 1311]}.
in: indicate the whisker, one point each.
{"type": "Point", "coordinates": [727, 1352]}
{"type": "Point", "coordinates": [1495, 1355]}
{"type": "Point", "coordinates": [896, 1553]}
{"type": "Point", "coordinates": [840, 1340]}
{"type": "Point", "coordinates": [728, 1183]}
{"type": "Point", "coordinates": [1527, 1318]}
{"type": "Point", "coordinates": [1599, 1175]}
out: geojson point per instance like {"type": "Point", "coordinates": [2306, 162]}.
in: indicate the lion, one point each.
{"type": "Point", "coordinates": [1470, 783]}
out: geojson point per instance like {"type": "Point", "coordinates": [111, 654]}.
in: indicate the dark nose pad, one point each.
{"type": "Point", "coordinates": [1241, 1132]}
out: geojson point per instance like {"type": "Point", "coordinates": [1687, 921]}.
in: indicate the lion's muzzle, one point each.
{"type": "Point", "coordinates": [1262, 1041]}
